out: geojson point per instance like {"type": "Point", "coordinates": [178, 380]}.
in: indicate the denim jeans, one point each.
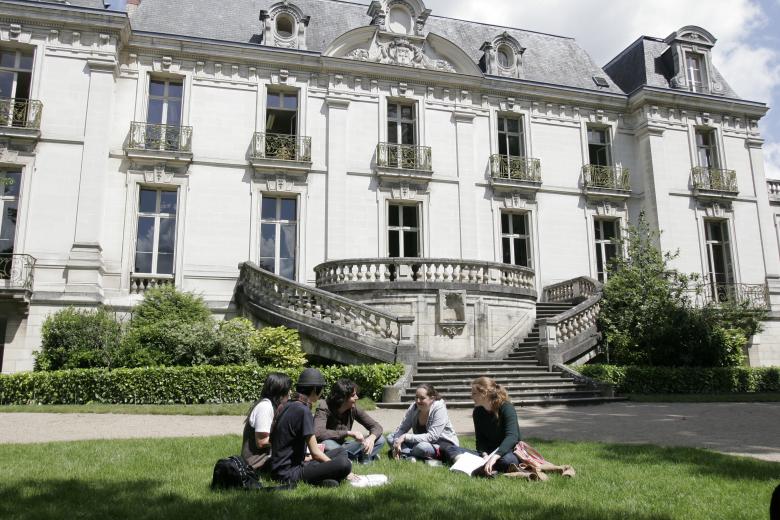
{"type": "Point", "coordinates": [501, 464]}
{"type": "Point", "coordinates": [425, 450]}
{"type": "Point", "coordinates": [354, 449]}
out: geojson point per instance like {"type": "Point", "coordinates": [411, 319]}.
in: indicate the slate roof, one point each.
{"type": "Point", "coordinates": [548, 59]}
{"type": "Point", "coordinates": [93, 4]}
{"type": "Point", "coordinates": [641, 64]}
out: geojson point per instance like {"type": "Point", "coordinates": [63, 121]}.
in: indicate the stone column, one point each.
{"type": "Point", "coordinates": [84, 269]}
{"type": "Point", "coordinates": [337, 214]}
{"type": "Point", "coordinates": [467, 211]}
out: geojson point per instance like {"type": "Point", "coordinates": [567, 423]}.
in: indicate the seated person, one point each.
{"type": "Point", "coordinates": [256, 445]}
{"type": "Point", "coordinates": [294, 432]}
{"type": "Point", "coordinates": [335, 419]}
{"type": "Point", "coordinates": [495, 425]}
{"type": "Point", "coordinates": [431, 436]}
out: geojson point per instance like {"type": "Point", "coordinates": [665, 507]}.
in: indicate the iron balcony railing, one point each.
{"type": "Point", "coordinates": [606, 177]}
{"type": "Point", "coordinates": [403, 156]}
{"type": "Point", "coordinates": [752, 296]}
{"type": "Point", "coordinates": [16, 271]}
{"type": "Point", "coordinates": [155, 137]}
{"type": "Point", "coordinates": [281, 146]}
{"type": "Point", "coordinates": [21, 113]}
{"type": "Point", "coordinates": [714, 179]}
{"type": "Point", "coordinates": [515, 168]}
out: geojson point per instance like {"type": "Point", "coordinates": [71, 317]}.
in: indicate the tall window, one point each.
{"type": "Point", "coordinates": [10, 182]}
{"type": "Point", "coordinates": [165, 97]}
{"type": "Point", "coordinates": [155, 244]}
{"type": "Point", "coordinates": [599, 148]}
{"type": "Point", "coordinates": [706, 150]}
{"type": "Point", "coordinates": [281, 115]}
{"type": "Point", "coordinates": [510, 136]}
{"type": "Point", "coordinates": [606, 233]}
{"type": "Point", "coordinates": [515, 239]}
{"type": "Point", "coordinates": [278, 235]}
{"type": "Point", "coordinates": [719, 265]}
{"type": "Point", "coordinates": [15, 80]}
{"type": "Point", "coordinates": [694, 71]}
{"type": "Point", "coordinates": [403, 230]}
{"type": "Point", "coordinates": [401, 123]}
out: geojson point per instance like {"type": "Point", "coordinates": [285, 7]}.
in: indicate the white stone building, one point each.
{"type": "Point", "coordinates": [438, 176]}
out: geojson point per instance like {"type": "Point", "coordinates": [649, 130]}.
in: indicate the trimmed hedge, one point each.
{"type": "Point", "coordinates": [172, 385]}
{"type": "Point", "coordinates": [685, 380]}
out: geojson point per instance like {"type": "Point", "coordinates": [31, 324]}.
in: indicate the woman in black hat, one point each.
{"type": "Point", "coordinates": [294, 432]}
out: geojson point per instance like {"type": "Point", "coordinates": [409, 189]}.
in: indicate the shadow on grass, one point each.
{"type": "Point", "coordinates": [143, 499]}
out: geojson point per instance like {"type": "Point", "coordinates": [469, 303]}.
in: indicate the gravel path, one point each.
{"type": "Point", "coordinates": [751, 429]}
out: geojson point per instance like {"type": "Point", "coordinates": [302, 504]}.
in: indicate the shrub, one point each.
{"type": "Point", "coordinates": [172, 343]}
{"type": "Point", "coordinates": [165, 303]}
{"type": "Point", "coordinates": [685, 380]}
{"type": "Point", "coordinates": [74, 338]}
{"type": "Point", "coordinates": [234, 342]}
{"type": "Point", "coordinates": [169, 385]}
{"type": "Point", "coordinates": [278, 347]}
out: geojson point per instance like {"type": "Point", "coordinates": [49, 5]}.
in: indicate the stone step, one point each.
{"type": "Point", "coordinates": [552, 401]}
{"type": "Point", "coordinates": [438, 363]}
{"type": "Point", "coordinates": [510, 387]}
{"type": "Point", "coordinates": [475, 367]}
{"type": "Point", "coordinates": [519, 396]}
{"type": "Point", "coordinates": [466, 380]}
{"type": "Point", "coordinates": [519, 371]}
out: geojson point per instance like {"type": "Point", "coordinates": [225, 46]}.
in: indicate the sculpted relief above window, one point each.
{"type": "Point", "coordinates": [400, 51]}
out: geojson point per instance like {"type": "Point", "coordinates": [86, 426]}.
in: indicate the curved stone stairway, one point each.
{"type": "Point", "coordinates": [527, 382]}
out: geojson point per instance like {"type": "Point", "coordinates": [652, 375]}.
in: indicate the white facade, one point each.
{"type": "Point", "coordinates": [90, 178]}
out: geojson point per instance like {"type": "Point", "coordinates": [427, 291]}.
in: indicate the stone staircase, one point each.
{"type": "Point", "coordinates": [527, 382]}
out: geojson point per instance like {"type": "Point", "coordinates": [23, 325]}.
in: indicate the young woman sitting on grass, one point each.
{"type": "Point", "coordinates": [432, 436]}
{"type": "Point", "coordinates": [256, 445]}
{"type": "Point", "coordinates": [334, 422]}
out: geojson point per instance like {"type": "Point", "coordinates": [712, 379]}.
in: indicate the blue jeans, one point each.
{"type": "Point", "coordinates": [354, 449]}
{"type": "Point", "coordinates": [501, 464]}
{"type": "Point", "coordinates": [422, 450]}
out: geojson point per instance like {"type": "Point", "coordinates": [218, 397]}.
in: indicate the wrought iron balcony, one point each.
{"type": "Point", "coordinates": [714, 179]}
{"type": "Point", "coordinates": [281, 147]}
{"type": "Point", "coordinates": [20, 113]}
{"type": "Point", "coordinates": [403, 156]}
{"type": "Point", "coordinates": [159, 138]}
{"type": "Point", "coordinates": [752, 296]}
{"type": "Point", "coordinates": [508, 167]}
{"type": "Point", "coordinates": [599, 177]}
{"type": "Point", "coordinates": [16, 271]}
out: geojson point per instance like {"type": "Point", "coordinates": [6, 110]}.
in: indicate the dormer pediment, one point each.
{"type": "Point", "coordinates": [692, 34]}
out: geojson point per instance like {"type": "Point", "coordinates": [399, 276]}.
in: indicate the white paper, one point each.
{"type": "Point", "coordinates": [468, 462]}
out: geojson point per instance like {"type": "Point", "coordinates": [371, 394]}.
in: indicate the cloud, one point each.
{"type": "Point", "coordinates": [772, 160]}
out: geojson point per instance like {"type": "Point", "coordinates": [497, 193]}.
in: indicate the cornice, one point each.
{"type": "Point", "coordinates": [691, 101]}
{"type": "Point", "coordinates": [53, 16]}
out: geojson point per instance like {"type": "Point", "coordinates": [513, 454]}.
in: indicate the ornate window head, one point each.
{"type": "Point", "coordinates": [689, 60]}
{"type": "Point", "coordinates": [403, 17]}
{"type": "Point", "coordinates": [503, 56]}
{"type": "Point", "coordinates": [284, 25]}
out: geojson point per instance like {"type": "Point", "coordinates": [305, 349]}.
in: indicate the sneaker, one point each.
{"type": "Point", "coordinates": [362, 481]}
{"type": "Point", "coordinates": [433, 462]}
{"type": "Point", "coordinates": [328, 483]}
{"type": "Point", "coordinates": [409, 458]}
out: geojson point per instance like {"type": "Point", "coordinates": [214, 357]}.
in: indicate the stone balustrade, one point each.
{"type": "Point", "coordinates": [571, 290]}
{"type": "Point", "coordinates": [140, 283]}
{"type": "Point", "coordinates": [419, 271]}
{"type": "Point", "coordinates": [16, 271]}
{"type": "Point", "coordinates": [268, 289]}
{"type": "Point", "coordinates": [773, 186]}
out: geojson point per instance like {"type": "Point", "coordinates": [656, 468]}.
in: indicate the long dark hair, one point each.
{"type": "Point", "coordinates": [276, 387]}
{"type": "Point", "coordinates": [340, 392]}
{"type": "Point", "coordinates": [430, 391]}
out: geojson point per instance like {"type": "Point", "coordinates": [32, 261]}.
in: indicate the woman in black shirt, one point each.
{"type": "Point", "coordinates": [495, 424]}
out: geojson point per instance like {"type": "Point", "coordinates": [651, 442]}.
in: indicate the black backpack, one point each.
{"type": "Point", "coordinates": [234, 472]}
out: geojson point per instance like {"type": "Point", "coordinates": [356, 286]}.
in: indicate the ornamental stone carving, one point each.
{"type": "Point", "coordinates": [400, 51]}
{"type": "Point", "coordinates": [158, 175]}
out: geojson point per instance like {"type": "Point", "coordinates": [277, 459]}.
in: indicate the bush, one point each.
{"type": "Point", "coordinates": [75, 338]}
{"type": "Point", "coordinates": [171, 385]}
{"type": "Point", "coordinates": [165, 303]}
{"type": "Point", "coordinates": [234, 343]}
{"type": "Point", "coordinates": [685, 380]}
{"type": "Point", "coordinates": [278, 347]}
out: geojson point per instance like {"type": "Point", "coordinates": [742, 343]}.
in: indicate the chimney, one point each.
{"type": "Point", "coordinates": [132, 6]}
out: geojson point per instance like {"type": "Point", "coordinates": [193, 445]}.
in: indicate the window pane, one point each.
{"type": "Point", "coordinates": [268, 240]}
{"type": "Point", "coordinates": [173, 117]}
{"type": "Point", "coordinates": [268, 211]}
{"type": "Point", "coordinates": [392, 132]}
{"type": "Point", "coordinates": [290, 101]}
{"type": "Point", "coordinates": [407, 133]}
{"type": "Point", "coordinates": [165, 263]}
{"type": "Point", "coordinates": [505, 223]}
{"type": "Point", "coordinates": [501, 124]}
{"type": "Point", "coordinates": [143, 262]}
{"type": "Point", "coordinates": [6, 84]}
{"type": "Point", "coordinates": [145, 237]}
{"type": "Point", "coordinates": [407, 112]}
{"type": "Point", "coordinates": [155, 112]}
{"type": "Point", "coordinates": [599, 262]}
{"type": "Point", "coordinates": [15, 178]}
{"type": "Point", "coordinates": [502, 147]}
{"type": "Point", "coordinates": [392, 111]}
{"type": "Point", "coordinates": [175, 90]}
{"type": "Point", "coordinates": [393, 244]}
{"type": "Point", "coordinates": [168, 202]}
{"type": "Point", "coordinates": [167, 239]}
{"type": "Point", "coordinates": [410, 243]}
{"type": "Point", "coordinates": [267, 263]}
{"type": "Point", "coordinates": [156, 87]}
{"type": "Point", "coordinates": [147, 201]}
{"type": "Point", "coordinates": [410, 216]}
{"type": "Point", "coordinates": [521, 252]}
{"type": "Point", "coordinates": [609, 230]}
{"type": "Point", "coordinates": [514, 147]}
{"type": "Point", "coordinates": [274, 100]}
{"type": "Point", "coordinates": [287, 269]}
{"type": "Point", "coordinates": [287, 243]}
{"type": "Point", "coordinates": [8, 228]}
{"type": "Point", "coordinates": [288, 210]}
{"type": "Point", "coordinates": [597, 228]}
{"type": "Point", "coordinates": [26, 62]}
{"type": "Point", "coordinates": [512, 125]}
{"type": "Point", "coordinates": [23, 80]}
{"type": "Point", "coordinates": [505, 250]}
{"type": "Point", "coordinates": [392, 217]}
{"type": "Point", "coordinates": [281, 122]}
{"type": "Point", "coordinates": [518, 223]}
{"type": "Point", "coordinates": [8, 58]}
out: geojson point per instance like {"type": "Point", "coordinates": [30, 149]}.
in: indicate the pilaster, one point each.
{"type": "Point", "coordinates": [467, 211]}
{"type": "Point", "coordinates": [337, 228]}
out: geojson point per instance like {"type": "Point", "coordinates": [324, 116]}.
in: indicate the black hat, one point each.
{"type": "Point", "coordinates": [311, 377]}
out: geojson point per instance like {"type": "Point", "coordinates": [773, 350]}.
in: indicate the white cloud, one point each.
{"type": "Point", "coordinates": [772, 160]}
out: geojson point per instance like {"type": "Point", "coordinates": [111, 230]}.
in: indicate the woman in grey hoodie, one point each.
{"type": "Point", "coordinates": [431, 435]}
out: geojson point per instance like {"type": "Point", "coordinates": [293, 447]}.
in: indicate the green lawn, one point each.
{"type": "Point", "coordinates": [168, 478]}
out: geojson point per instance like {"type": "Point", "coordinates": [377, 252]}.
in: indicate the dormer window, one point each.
{"type": "Point", "coordinates": [688, 60]}
{"type": "Point", "coordinates": [694, 70]}
{"type": "Point", "coordinates": [502, 56]}
{"type": "Point", "coordinates": [284, 25]}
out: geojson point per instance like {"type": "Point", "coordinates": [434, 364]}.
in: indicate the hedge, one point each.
{"type": "Point", "coordinates": [684, 380]}
{"type": "Point", "coordinates": [172, 385]}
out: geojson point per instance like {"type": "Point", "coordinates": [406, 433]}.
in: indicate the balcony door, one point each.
{"type": "Point", "coordinates": [606, 235]}
{"type": "Point", "coordinates": [510, 137]}
{"type": "Point", "coordinates": [15, 81]}
{"type": "Point", "coordinates": [9, 203]}
{"type": "Point", "coordinates": [720, 268]}
{"type": "Point", "coordinates": [401, 130]}
{"type": "Point", "coordinates": [279, 235]}
{"type": "Point", "coordinates": [164, 111]}
{"type": "Point", "coordinates": [599, 148]}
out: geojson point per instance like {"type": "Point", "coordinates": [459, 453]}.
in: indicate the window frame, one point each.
{"type": "Point", "coordinates": [158, 216]}
{"type": "Point", "coordinates": [401, 229]}
{"type": "Point", "coordinates": [165, 98]}
{"type": "Point", "coordinates": [520, 135]}
{"type": "Point", "coordinates": [728, 256]}
{"type": "Point", "coordinates": [400, 120]}
{"type": "Point", "coordinates": [610, 160]}
{"type": "Point", "coordinates": [600, 245]}
{"type": "Point", "coordinates": [712, 147]}
{"type": "Point", "coordinates": [703, 80]}
{"type": "Point", "coordinates": [278, 223]}
{"type": "Point", "coordinates": [272, 89]}
{"type": "Point", "coordinates": [512, 236]}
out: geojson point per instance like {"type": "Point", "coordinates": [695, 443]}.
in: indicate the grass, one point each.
{"type": "Point", "coordinates": [756, 397]}
{"type": "Point", "coordinates": [147, 409]}
{"type": "Point", "coordinates": [168, 478]}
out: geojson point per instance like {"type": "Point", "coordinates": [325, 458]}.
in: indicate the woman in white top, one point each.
{"type": "Point", "coordinates": [256, 445]}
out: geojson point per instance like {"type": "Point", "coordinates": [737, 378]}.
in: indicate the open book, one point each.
{"type": "Point", "coordinates": [468, 462]}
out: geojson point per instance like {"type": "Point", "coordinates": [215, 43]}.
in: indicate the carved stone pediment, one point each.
{"type": "Point", "coordinates": [401, 51]}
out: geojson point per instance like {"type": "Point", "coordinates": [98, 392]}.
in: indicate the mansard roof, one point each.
{"type": "Point", "coordinates": [547, 59]}
{"type": "Point", "coordinates": [646, 63]}
{"type": "Point", "coordinates": [93, 4]}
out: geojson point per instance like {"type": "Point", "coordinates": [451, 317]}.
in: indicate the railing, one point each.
{"type": "Point", "coordinates": [512, 168]}
{"type": "Point", "coordinates": [422, 271]}
{"type": "Point", "coordinates": [154, 137]}
{"type": "Point", "coordinates": [20, 113]}
{"type": "Point", "coordinates": [140, 283]}
{"type": "Point", "coordinates": [752, 296]}
{"type": "Point", "coordinates": [403, 156]}
{"type": "Point", "coordinates": [606, 177]}
{"type": "Point", "coordinates": [281, 146]}
{"type": "Point", "coordinates": [268, 289]}
{"type": "Point", "coordinates": [16, 271]}
{"type": "Point", "coordinates": [574, 332]}
{"type": "Point", "coordinates": [714, 179]}
{"type": "Point", "coordinates": [773, 187]}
